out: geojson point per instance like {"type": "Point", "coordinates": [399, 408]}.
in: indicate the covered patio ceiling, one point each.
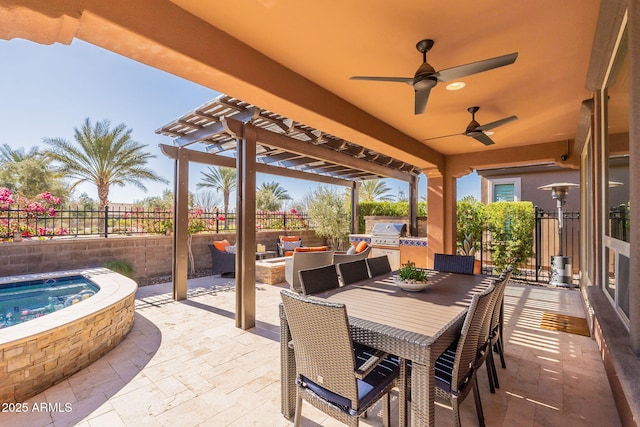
{"type": "Point", "coordinates": [284, 143]}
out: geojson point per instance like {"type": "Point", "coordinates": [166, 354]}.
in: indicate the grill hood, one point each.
{"type": "Point", "coordinates": [385, 229]}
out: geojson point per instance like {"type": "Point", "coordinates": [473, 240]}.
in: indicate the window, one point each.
{"type": "Point", "coordinates": [504, 190]}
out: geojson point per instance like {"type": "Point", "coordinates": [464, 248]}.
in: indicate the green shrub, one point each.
{"type": "Point", "coordinates": [511, 225]}
{"type": "Point", "coordinates": [123, 267]}
{"type": "Point", "coordinates": [386, 209]}
{"type": "Point", "coordinates": [471, 218]}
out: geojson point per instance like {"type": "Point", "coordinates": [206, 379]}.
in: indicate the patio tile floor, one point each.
{"type": "Point", "coordinates": [186, 364]}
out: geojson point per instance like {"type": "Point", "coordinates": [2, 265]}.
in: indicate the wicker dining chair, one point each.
{"type": "Point", "coordinates": [320, 279]}
{"type": "Point", "coordinates": [378, 265]}
{"type": "Point", "coordinates": [332, 374]}
{"type": "Point", "coordinates": [455, 369]}
{"type": "Point", "coordinates": [353, 271]}
{"type": "Point", "coordinates": [447, 263]}
{"type": "Point", "coordinates": [495, 339]}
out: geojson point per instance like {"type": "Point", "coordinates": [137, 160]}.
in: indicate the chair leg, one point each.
{"type": "Point", "coordinates": [298, 416]}
{"type": "Point", "coordinates": [494, 371]}
{"type": "Point", "coordinates": [476, 398]}
{"type": "Point", "coordinates": [501, 353]}
{"type": "Point", "coordinates": [490, 368]}
{"type": "Point", "coordinates": [386, 412]}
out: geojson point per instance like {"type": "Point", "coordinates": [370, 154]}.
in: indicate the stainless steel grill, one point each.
{"type": "Point", "coordinates": [387, 234]}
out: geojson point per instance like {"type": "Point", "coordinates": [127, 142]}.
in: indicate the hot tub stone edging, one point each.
{"type": "Point", "coordinates": [37, 354]}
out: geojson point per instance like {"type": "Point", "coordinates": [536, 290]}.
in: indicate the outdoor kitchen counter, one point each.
{"type": "Point", "coordinates": [411, 248]}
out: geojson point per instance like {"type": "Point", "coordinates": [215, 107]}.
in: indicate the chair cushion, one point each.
{"type": "Point", "coordinates": [289, 238]}
{"type": "Point", "coordinates": [221, 245]}
{"type": "Point", "coordinates": [444, 370]}
{"type": "Point", "coordinates": [351, 250]}
{"type": "Point", "coordinates": [361, 247]}
{"type": "Point", "coordinates": [368, 388]}
{"type": "Point", "coordinates": [311, 249]}
{"type": "Point", "coordinates": [230, 249]}
{"type": "Point", "coordinates": [288, 253]}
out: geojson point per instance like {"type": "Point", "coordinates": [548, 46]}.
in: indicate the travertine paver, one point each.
{"type": "Point", "coordinates": [186, 364]}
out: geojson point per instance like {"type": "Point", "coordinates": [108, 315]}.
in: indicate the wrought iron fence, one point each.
{"type": "Point", "coordinates": [545, 245]}
{"type": "Point", "coordinates": [18, 223]}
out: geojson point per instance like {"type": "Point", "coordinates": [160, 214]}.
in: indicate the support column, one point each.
{"type": "Point", "coordinates": [181, 224]}
{"type": "Point", "coordinates": [441, 214]}
{"type": "Point", "coordinates": [633, 28]}
{"type": "Point", "coordinates": [599, 182]}
{"type": "Point", "coordinates": [246, 230]}
{"type": "Point", "coordinates": [355, 209]}
{"type": "Point", "coordinates": [413, 206]}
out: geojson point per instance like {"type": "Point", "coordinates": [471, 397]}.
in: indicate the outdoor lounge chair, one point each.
{"type": "Point", "coordinates": [222, 263]}
{"type": "Point", "coordinates": [285, 245]}
{"type": "Point", "coordinates": [346, 257]}
{"type": "Point", "coordinates": [453, 263]}
{"type": "Point", "coordinates": [334, 375]}
{"type": "Point", "coordinates": [378, 265]}
{"type": "Point", "coordinates": [319, 279]}
{"type": "Point", "coordinates": [353, 271]}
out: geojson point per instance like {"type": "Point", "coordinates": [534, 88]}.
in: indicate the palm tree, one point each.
{"type": "Point", "coordinates": [221, 179]}
{"type": "Point", "coordinates": [270, 196]}
{"type": "Point", "coordinates": [102, 156]}
{"type": "Point", "coordinates": [9, 155]}
{"type": "Point", "coordinates": [374, 190]}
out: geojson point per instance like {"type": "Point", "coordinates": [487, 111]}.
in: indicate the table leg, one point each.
{"type": "Point", "coordinates": [287, 371]}
{"type": "Point", "coordinates": [422, 395]}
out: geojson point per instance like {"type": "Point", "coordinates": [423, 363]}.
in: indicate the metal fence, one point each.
{"type": "Point", "coordinates": [17, 222]}
{"type": "Point", "coordinates": [545, 245]}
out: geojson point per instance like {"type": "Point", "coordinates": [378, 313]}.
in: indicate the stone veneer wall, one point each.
{"type": "Point", "coordinates": [31, 365]}
{"type": "Point", "coordinates": [149, 255]}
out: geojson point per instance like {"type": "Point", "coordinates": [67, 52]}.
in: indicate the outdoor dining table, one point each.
{"type": "Point", "coordinates": [415, 326]}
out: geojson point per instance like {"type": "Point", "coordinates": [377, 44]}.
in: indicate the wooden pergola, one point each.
{"type": "Point", "coordinates": [262, 141]}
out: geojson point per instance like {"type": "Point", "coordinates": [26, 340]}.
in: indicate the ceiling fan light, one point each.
{"type": "Point", "coordinates": [488, 132]}
{"type": "Point", "coordinates": [456, 85]}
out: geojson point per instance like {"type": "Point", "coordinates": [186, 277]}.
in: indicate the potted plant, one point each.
{"type": "Point", "coordinates": [411, 278]}
{"type": "Point", "coordinates": [468, 247]}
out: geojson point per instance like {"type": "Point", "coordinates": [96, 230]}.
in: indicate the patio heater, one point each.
{"type": "Point", "coordinates": [561, 269]}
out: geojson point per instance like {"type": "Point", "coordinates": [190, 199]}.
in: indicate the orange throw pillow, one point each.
{"type": "Point", "coordinates": [221, 245]}
{"type": "Point", "coordinates": [362, 246]}
{"type": "Point", "coordinates": [289, 238]}
{"type": "Point", "coordinates": [311, 249]}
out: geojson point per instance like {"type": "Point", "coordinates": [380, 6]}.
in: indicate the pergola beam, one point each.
{"type": "Point", "coordinates": [318, 152]}
{"type": "Point", "coordinates": [215, 160]}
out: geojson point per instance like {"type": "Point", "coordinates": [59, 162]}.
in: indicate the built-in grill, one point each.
{"type": "Point", "coordinates": [387, 234]}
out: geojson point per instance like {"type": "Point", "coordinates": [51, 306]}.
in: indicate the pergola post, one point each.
{"type": "Point", "coordinates": [413, 206]}
{"type": "Point", "coordinates": [181, 224]}
{"type": "Point", "coordinates": [246, 229]}
{"type": "Point", "coordinates": [355, 211]}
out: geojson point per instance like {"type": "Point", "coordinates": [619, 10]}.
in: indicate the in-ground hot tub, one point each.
{"type": "Point", "coordinates": [43, 351]}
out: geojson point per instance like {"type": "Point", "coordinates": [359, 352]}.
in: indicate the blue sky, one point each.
{"type": "Point", "coordinates": [47, 91]}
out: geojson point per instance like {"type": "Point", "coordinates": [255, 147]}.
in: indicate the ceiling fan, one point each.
{"type": "Point", "coordinates": [477, 131]}
{"type": "Point", "coordinates": [427, 77]}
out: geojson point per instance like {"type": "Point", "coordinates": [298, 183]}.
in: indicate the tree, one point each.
{"type": "Point", "coordinates": [102, 156]}
{"type": "Point", "coordinates": [221, 179]}
{"type": "Point", "coordinates": [270, 196]}
{"type": "Point", "coordinates": [328, 210]}
{"type": "Point", "coordinates": [206, 200]}
{"type": "Point", "coordinates": [29, 174]}
{"type": "Point", "coordinates": [374, 190]}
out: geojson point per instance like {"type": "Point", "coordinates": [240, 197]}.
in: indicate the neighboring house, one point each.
{"type": "Point", "coordinates": [521, 184]}
{"type": "Point", "coordinates": [511, 184]}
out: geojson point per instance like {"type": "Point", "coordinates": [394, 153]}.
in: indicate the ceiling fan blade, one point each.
{"type": "Point", "coordinates": [479, 136]}
{"type": "Point", "coordinates": [422, 96]}
{"type": "Point", "coordinates": [407, 80]}
{"type": "Point", "coordinates": [497, 123]}
{"type": "Point", "coordinates": [475, 67]}
{"type": "Point", "coordinates": [443, 136]}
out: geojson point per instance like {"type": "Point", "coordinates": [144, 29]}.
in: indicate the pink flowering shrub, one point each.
{"type": "Point", "coordinates": [25, 220]}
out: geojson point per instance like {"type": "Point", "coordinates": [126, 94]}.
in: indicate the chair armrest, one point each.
{"type": "Point", "coordinates": [365, 369]}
